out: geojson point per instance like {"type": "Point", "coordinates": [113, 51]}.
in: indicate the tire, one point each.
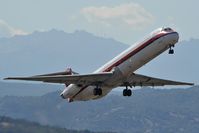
{"type": "Point", "coordinates": [129, 92]}
{"type": "Point", "coordinates": [99, 91]}
{"type": "Point", "coordinates": [125, 92]}
{"type": "Point", "coordinates": [171, 51]}
{"type": "Point", "coordinates": [95, 92]}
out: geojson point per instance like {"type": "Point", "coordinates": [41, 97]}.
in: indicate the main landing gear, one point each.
{"type": "Point", "coordinates": [171, 50]}
{"type": "Point", "coordinates": [127, 92]}
{"type": "Point", "coordinates": [97, 91]}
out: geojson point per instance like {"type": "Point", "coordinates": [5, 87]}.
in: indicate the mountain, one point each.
{"type": "Point", "coordinates": [27, 89]}
{"type": "Point", "coordinates": [9, 125]}
{"type": "Point", "coordinates": [148, 110]}
{"type": "Point", "coordinates": [43, 52]}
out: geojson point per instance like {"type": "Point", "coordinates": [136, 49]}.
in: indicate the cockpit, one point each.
{"type": "Point", "coordinates": [167, 29]}
{"type": "Point", "coordinates": [164, 29]}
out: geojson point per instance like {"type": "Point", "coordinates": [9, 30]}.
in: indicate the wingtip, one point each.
{"type": "Point", "coordinates": [5, 78]}
{"type": "Point", "coordinates": [191, 84]}
{"type": "Point", "coordinates": [8, 78]}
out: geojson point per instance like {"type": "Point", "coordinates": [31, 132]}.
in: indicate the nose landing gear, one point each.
{"type": "Point", "coordinates": [171, 50]}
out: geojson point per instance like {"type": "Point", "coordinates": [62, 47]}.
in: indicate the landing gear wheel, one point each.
{"type": "Point", "coordinates": [127, 92]}
{"type": "Point", "coordinates": [171, 51]}
{"type": "Point", "coordinates": [97, 91]}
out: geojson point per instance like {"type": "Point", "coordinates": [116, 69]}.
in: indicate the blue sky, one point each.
{"type": "Point", "coordinates": [124, 20]}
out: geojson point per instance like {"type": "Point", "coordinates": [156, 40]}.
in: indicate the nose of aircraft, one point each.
{"type": "Point", "coordinates": [176, 37]}
{"type": "Point", "coordinates": [66, 93]}
{"type": "Point", "coordinates": [62, 95]}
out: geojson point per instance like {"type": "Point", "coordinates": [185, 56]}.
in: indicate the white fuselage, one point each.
{"type": "Point", "coordinates": [126, 63]}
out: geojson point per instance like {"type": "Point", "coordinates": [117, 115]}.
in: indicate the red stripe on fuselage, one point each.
{"type": "Point", "coordinates": [139, 48]}
{"type": "Point", "coordinates": [80, 91]}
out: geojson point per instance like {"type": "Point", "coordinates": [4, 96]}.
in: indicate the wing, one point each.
{"type": "Point", "coordinates": [87, 79]}
{"type": "Point", "coordinates": [141, 80]}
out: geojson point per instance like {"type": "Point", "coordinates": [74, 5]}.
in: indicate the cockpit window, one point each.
{"type": "Point", "coordinates": [167, 29]}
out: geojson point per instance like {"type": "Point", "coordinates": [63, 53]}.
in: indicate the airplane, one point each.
{"type": "Point", "coordinates": [119, 72]}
